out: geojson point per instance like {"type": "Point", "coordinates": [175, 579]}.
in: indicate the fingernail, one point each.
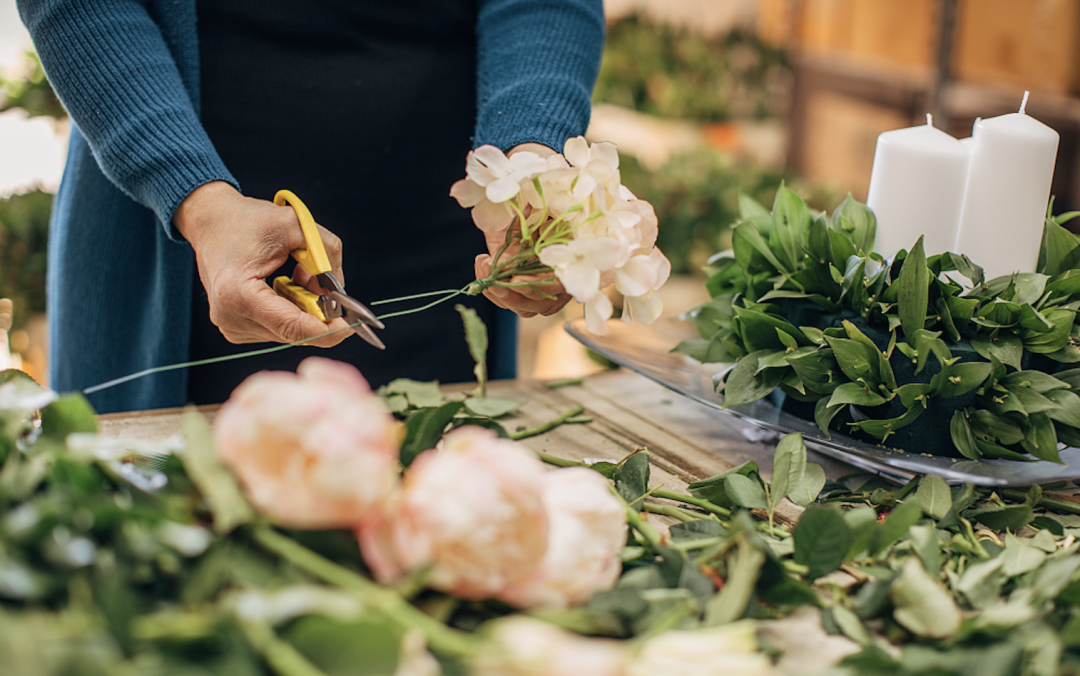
{"type": "Point", "coordinates": [501, 294]}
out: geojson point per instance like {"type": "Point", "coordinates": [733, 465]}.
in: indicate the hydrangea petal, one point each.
{"type": "Point", "coordinates": [467, 193]}
{"type": "Point", "coordinates": [580, 280]}
{"type": "Point", "coordinates": [503, 189]}
{"type": "Point", "coordinates": [637, 277]}
{"type": "Point", "coordinates": [494, 159]}
{"type": "Point", "coordinates": [576, 151]}
{"type": "Point", "coordinates": [597, 312]}
{"type": "Point", "coordinates": [491, 217]}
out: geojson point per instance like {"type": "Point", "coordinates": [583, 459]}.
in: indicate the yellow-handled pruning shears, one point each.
{"type": "Point", "coordinates": [317, 263]}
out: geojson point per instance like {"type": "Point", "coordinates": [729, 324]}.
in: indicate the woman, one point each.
{"type": "Point", "coordinates": [364, 109]}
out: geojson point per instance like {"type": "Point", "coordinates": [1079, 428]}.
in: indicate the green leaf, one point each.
{"type": "Point", "coordinates": [491, 407]}
{"type": "Point", "coordinates": [1002, 517]}
{"type": "Point", "coordinates": [1033, 320]}
{"type": "Point", "coordinates": [934, 497]}
{"type": "Point", "coordinates": [1006, 347]}
{"type": "Point", "coordinates": [743, 387]}
{"type": "Point", "coordinates": [424, 429]}
{"type": "Point", "coordinates": [922, 605]}
{"type": "Point", "coordinates": [745, 492]}
{"type": "Point", "coordinates": [1065, 284]}
{"type": "Point", "coordinates": [855, 393]}
{"type": "Point", "coordinates": [962, 437]}
{"type": "Point", "coordinates": [1020, 557]}
{"type": "Point", "coordinates": [861, 522]}
{"type": "Point", "coordinates": [419, 394]}
{"type": "Point", "coordinates": [751, 249]}
{"type": "Point", "coordinates": [68, 414]}
{"type": "Point", "coordinates": [712, 488]}
{"type": "Point", "coordinates": [965, 267]}
{"type": "Point", "coordinates": [1041, 440]}
{"type": "Point", "coordinates": [896, 525]}
{"type": "Point", "coordinates": [824, 413]}
{"type": "Point", "coordinates": [857, 360]}
{"type": "Point", "coordinates": [882, 429]}
{"type": "Point", "coordinates": [1060, 249]}
{"type": "Point", "coordinates": [213, 479]}
{"type": "Point", "coordinates": [789, 467]}
{"type": "Point", "coordinates": [791, 222]}
{"type": "Point", "coordinates": [808, 489]}
{"type": "Point", "coordinates": [817, 369]}
{"type": "Point", "coordinates": [858, 222]}
{"type": "Point", "coordinates": [759, 330]}
{"type": "Point", "coordinates": [750, 207]}
{"type": "Point", "coordinates": [990, 427]}
{"type": "Point", "coordinates": [964, 378]}
{"type": "Point", "coordinates": [1053, 340]}
{"type": "Point", "coordinates": [476, 336]}
{"type": "Point", "coordinates": [1067, 410]}
{"type": "Point", "coordinates": [744, 569]}
{"type": "Point", "coordinates": [632, 478]}
{"type": "Point", "coordinates": [821, 540]}
{"type": "Point", "coordinates": [913, 291]}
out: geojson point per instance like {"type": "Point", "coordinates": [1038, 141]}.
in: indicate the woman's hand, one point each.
{"type": "Point", "coordinates": [525, 301]}
{"type": "Point", "coordinates": [239, 241]}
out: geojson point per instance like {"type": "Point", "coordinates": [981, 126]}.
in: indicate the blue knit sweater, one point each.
{"type": "Point", "coordinates": [119, 280]}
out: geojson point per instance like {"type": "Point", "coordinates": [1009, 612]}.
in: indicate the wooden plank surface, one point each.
{"type": "Point", "coordinates": [687, 441]}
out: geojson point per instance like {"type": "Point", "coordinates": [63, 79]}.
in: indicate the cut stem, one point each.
{"type": "Point", "coordinates": [440, 637]}
{"type": "Point", "coordinates": [548, 426]}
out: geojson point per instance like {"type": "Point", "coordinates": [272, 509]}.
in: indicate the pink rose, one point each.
{"type": "Point", "coordinates": [586, 533]}
{"type": "Point", "coordinates": [314, 449]}
{"type": "Point", "coordinates": [522, 646]}
{"type": "Point", "coordinates": [470, 513]}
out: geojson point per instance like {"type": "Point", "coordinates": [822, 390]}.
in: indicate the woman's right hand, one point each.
{"type": "Point", "coordinates": [240, 241]}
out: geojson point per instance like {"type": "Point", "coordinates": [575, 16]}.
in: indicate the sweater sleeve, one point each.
{"type": "Point", "coordinates": [537, 62]}
{"type": "Point", "coordinates": [112, 68]}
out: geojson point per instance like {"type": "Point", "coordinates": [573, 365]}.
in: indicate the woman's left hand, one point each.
{"type": "Point", "coordinates": [525, 301]}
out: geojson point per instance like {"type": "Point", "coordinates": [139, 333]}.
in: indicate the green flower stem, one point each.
{"type": "Point", "coordinates": [558, 462]}
{"type": "Point", "coordinates": [673, 512]}
{"type": "Point", "coordinates": [697, 502]}
{"type": "Point", "coordinates": [550, 425]}
{"type": "Point", "coordinates": [440, 637]}
{"type": "Point", "coordinates": [635, 521]}
{"type": "Point", "coordinates": [282, 657]}
{"type": "Point", "coordinates": [1047, 502]}
{"type": "Point", "coordinates": [700, 543]}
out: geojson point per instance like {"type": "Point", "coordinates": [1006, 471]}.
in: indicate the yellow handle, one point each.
{"type": "Point", "coordinates": [301, 297]}
{"type": "Point", "coordinates": [314, 258]}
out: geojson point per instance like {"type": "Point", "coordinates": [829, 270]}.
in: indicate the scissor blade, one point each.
{"type": "Point", "coordinates": [355, 311]}
{"type": "Point", "coordinates": [365, 332]}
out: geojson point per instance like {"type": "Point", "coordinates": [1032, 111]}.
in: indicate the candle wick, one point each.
{"type": "Point", "coordinates": [929, 120]}
{"type": "Point", "coordinates": [1023, 103]}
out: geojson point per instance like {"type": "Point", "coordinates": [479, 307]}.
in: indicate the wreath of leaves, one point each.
{"type": "Point", "coordinates": [1017, 335]}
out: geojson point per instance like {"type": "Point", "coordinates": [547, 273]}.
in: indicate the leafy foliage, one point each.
{"type": "Point", "coordinates": [802, 305]}
{"type": "Point", "coordinates": [677, 73]}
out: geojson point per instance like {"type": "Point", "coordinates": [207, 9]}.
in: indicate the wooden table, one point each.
{"type": "Point", "coordinates": [686, 440]}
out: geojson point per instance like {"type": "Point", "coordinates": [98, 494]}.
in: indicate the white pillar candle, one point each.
{"type": "Point", "coordinates": [917, 188]}
{"type": "Point", "coordinates": [1008, 188]}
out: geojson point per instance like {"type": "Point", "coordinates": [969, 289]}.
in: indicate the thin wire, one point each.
{"type": "Point", "coordinates": [449, 293]}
